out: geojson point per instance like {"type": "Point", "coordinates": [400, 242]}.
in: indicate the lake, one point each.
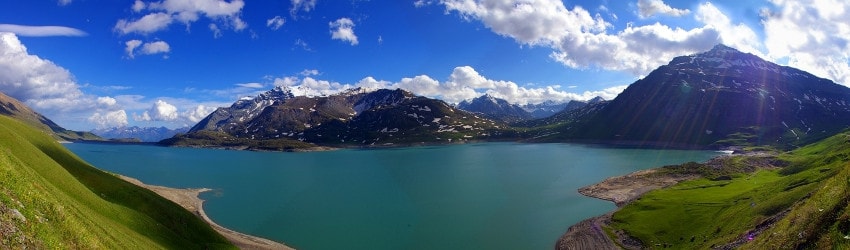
{"type": "Point", "coordinates": [473, 196]}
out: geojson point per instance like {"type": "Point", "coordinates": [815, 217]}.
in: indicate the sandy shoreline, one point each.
{"type": "Point", "coordinates": [188, 198]}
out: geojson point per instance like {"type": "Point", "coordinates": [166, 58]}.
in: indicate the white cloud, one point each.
{"type": "Point", "coordinates": [309, 72]}
{"type": "Point", "coordinates": [343, 29]}
{"type": "Point", "coordinates": [252, 85]}
{"type": "Point", "coordinates": [301, 5]}
{"type": "Point", "coordinates": [738, 36]}
{"type": "Point", "coordinates": [64, 2]}
{"type": "Point", "coordinates": [131, 47]}
{"type": "Point", "coordinates": [648, 8]}
{"type": "Point", "coordinates": [812, 35]}
{"type": "Point", "coordinates": [164, 13]}
{"type": "Point", "coordinates": [149, 23]}
{"type": "Point", "coordinates": [160, 111]}
{"type": "Point", "coordinates": [581, 40]}
{"type": "Point", "coordinates": [34, 80]}
{"type": "Point", "coordinates": [275, 22]}
{"type": "Point", "coordinates": [148, 48]}
{"type": "Point", "coordinates": [40, 31]}
{"type": "Point", "coordinates": [138, 6]}
{"type": "Point", "coordinates": [216, 31]}
{"type": "Point", "coordinates": [155, 48]}
{"type": "Point", "coordinates": [421, 3]}
{"type": "Point", "coordinates": [197, 114]}
{"type": "Point", "coordinates": [106, 101]}
{"type": "Point", "coordinates": [109, 119]}
{"type": "Point", "coordinates": [303, 45]}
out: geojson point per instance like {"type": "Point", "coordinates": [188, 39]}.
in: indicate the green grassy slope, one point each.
{"type": "Point", "coordinates": [66, 203]}
{"type": "Point", "coordinates": [801, 205]}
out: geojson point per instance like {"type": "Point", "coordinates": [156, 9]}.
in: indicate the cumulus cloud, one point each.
{"type": "Point", "coordinates": [164, 13]}
{"type": "Point", "coordinates": [275, 22]}
{"type": "Point", "coordinates": [343, 29]}
{"type": "Point", "coordinates": [41, 31]}
{"type": "Point", "coordinates": [148, 48]}
{"type": "Point", "coordinates": [301, 5]}
{"type": "Point", "coordinates": [812, 35]}
{"type": "Point", "coordinates": [160, 111]}
{"type": "Point", "coordinates": [648, 8]}
{"type": "Point", "coordinates": [34, 80]}
{"type": "Point", "coordinates": [197, 114]}
{"type": "Point", "coordinates": [581, 40]}
{"type": "Point", "coordinates": [463, 83]}
{"type": "Point", "coordinates": [109, 119]}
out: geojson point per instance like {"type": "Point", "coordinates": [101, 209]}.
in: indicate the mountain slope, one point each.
{"type": "Point", "coordinates": [13, 108]}
{"type": "Point", "coordinates": [51, 199]}
{"type": "Point", "coordinates": [495, 108]}
{"type": "Point", "coordinates": [722, 97]}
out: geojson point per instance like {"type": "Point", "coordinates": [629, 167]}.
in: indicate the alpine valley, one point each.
{"type": "Point", "coordinates": [721, 98]}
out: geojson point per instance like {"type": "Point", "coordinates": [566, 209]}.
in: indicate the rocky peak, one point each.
{"type": "Point", "coordinates": [596, 100]}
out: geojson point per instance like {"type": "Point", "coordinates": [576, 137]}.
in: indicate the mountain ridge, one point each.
{"type": "Point", "coordinates": [11, 107]}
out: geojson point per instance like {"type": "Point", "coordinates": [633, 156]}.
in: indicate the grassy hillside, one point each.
{"type": "Point", "coordinates": [799, 202]}
{"type": "Point", "coordinates": [49, 198]}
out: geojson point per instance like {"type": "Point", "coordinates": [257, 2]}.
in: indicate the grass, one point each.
{"type": "Point", "coordinates": [704, 213]}
{"type": "Point", "coordinates": [66, 203]}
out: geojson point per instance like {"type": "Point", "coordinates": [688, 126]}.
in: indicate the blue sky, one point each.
{"type": "Point", "coordinates": [97, 63]}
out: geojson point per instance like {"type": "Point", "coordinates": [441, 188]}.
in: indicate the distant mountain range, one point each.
{"type": "Point", "coordinates": [496, 109]}
{"type": "Point", "coordinates": [355, 117]}
{"type": "Point", "coordinates": [146, 134]}
{"type": "Point", "coordinates": [718, 98]}
{"type": "Point", "coordinates": [501, 110]}
{"type": "Point", "coordinates": [13, 108]}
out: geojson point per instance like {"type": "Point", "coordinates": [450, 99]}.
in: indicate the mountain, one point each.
{"type": "Point", "coordinates": [718, 98]}
{"type": "Point", "coordinates": [13, 108]}
{"type": "Point", "coordinates": [575, 113]}
{"type": "Point", "coordinates": [353, 117]}
{"type": "Point", "coordinates": [147, 134]}
{"type": "Point", "coordinates": [495, 108]}
{"type": "Point", "coordinates": [546, 109]}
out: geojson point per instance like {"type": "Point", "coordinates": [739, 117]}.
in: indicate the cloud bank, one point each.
{"type": "Point", "coordinates": [463, 83]}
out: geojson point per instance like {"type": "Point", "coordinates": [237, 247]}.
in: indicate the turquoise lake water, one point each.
{"type": "Point", "coordinates": [475, 196]}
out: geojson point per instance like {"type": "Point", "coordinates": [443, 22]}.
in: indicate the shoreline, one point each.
{"type": "Point", "coordinates": [621, 190]}
{"type": "Point", "coordinates": [189, 199]}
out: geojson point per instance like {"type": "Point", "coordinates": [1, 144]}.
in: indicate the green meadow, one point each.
{"type": "Point", "coordinates": [51, 199]}
{"type": "Point", "coordinates": [801, 203]}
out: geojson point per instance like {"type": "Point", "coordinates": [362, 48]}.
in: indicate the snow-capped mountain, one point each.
{"type": "Point", "coordinates": [357, 116]}
{"type": "Point", "coordinates": [146, 134]}
{"type": "Point", "coordinates": [495, 108]}
{"type": "Point", "coordinates": [722, 97]}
